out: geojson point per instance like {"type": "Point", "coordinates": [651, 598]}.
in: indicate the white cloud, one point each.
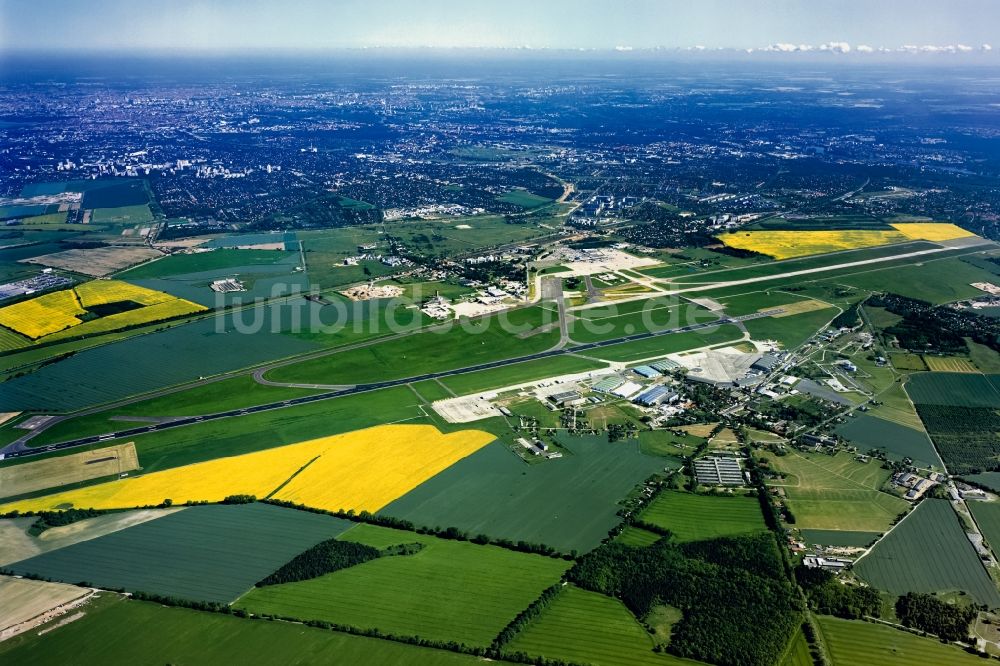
{"type": "Point", "coordinates": [836, 47]}
{"type": "Point", "coordinates": [864, 48]}
{"type": "Point", "coordinates": [987, 47]}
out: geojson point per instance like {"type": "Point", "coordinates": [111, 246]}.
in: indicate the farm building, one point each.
{"type": "Point", "coordinates": [719, 471]}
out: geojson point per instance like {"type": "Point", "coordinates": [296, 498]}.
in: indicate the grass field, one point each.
{"type": "Point", "coordinates": [64, 470]}
{"type": "Point", "coordinates": [468, 343]}
{"type": "Point", "coordinates": [181, 636]}
{"type": "Point", "coordinates": [122, 215]}
{"type": "Point", "coordinates": [928, 552]}
{"type": "Point", "coordinates": [839, 538]}
{"type": "Point", "coordinates": [585, 627]}
{"type": "Point", "coordinates": [790, 244]}
{"type": "Point", "coordinates": [198, 262]}
{"type": "Point", "coordinates": [936, 280]}
{"type": "Point", "coordinates": [989, 479]}
{"type": "Point", "coordinates": [524, 199]}
{"type": "Point", "coordinates": [657, 316]}
{"type": "Point", "coordinates": [361, 470]}
{"type": "Point", "coordinates": [670, 343]}
{"type": "Point", "coordinates": [450, 590]}
{"type": "Point", "coordinates": [9, 340]}
{"type": "Point", "coordinates": [568, 503]}
{"type": "Point", "coordinates": [899, 441]}
{"type": "Point", "coordinates": [205, 553]}
{"type": "Point", "coordinates": [791, 330]}
{"type": "Point", "coordinates": [836, 492]}
{"type": "Point", "coordinates": [237, 392]}
{"type": "Point", "coordinates": [692, 517]}
{"type": "Point", "coordinates": [636, 536]}
{"type": "Point", "coordinates": [798, 652]}
{"type": "Point", "coordinates": [852, 642]}
{"type": "Point", "coordinates": [519, 373]}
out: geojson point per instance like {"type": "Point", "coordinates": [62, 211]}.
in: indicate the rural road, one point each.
{"type": "Point", "coordinates": [20, 449]}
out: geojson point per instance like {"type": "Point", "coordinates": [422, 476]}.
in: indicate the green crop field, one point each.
{"type": "Point", "coordinates": [836, 492]}
{"type": "Point", "coordinates": [181, 636]}
{"type": "Point", "coordinates": [852, 642]}
{"type": "Point", "coordinates": [987, 515]}
{"type": "Point", "coordinates": [957, 389]}
{"type": "Point", "coordinates": [990, 480]}
{"type": "Point", "coordinates": [146, 363]}
{"type": "Point", "coordinates": [567, 503]}
{"type": "Point", "coordinates": [519, 373]}
{"type": "Point", "coordinates": [928, 552]}
{"type": "Point", "coordinates": [839, 538]}
{"type": "Point", "coordinates": [204, 553]}
{"type": "Point", "coordinates": [463, 344]}
{"type": "Point", "coordinates": [450, 590]}
{"type": "Point", "coordinates": [585, 627]}
{"type": "Point", "coordinates": [793, 330]}
{"type": "Point", "coordinates": [870, 432]}
{"type": "Point", "coordinates": [693, 517]}
{"type": "Point", "coordinates": [670, 343]}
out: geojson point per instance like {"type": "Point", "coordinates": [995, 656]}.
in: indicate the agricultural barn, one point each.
{"type": "Point", "coordinates": [719, 471]}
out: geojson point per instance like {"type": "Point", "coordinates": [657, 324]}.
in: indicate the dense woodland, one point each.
{"type": "Point", "coordinates": [323, 558]}
{"type": "Point", "coordinates": [736, 611]}
{"type": "Point", "coordinates": [829, 596]}
{"type": "Point", "coordinates": [936, 329]}
{"type": "Point", "coordinates": [928, 613]}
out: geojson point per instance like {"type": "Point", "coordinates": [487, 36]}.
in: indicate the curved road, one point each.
{"type": "Point", "coordinates": [19, 449]}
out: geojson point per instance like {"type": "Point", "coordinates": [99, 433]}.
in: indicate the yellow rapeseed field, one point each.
{"type": "Point", "coordinates": [99, 292]}
{"type": "Point", "coordinates": [931, 231]}
{"type": "Point", "coordinates": [367, 470]}
{"type": "Point", "coordinates": [43, 315]}
{"type": "Point", "coordinates": [158, 312]}
{"type": "Point", "coordinates": [364, 469]}
{"type": "Point", "coordinates": [789, 244]}
{"type": "Point", "coordinates": [56, 316]}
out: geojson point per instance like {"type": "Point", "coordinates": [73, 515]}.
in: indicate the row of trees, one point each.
{"type": "Point", "coordinates": [451, 533]}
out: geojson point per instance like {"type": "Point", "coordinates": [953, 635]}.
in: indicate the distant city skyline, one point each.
{"type": "Point", "coordinates": [835, 26]}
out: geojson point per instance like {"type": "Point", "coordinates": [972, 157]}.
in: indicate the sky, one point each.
{"type": "Point", "coordinates": [237, 25]}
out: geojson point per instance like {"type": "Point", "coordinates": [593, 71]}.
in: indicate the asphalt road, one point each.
{"type": "Point", "coordinates": [17, 450]}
